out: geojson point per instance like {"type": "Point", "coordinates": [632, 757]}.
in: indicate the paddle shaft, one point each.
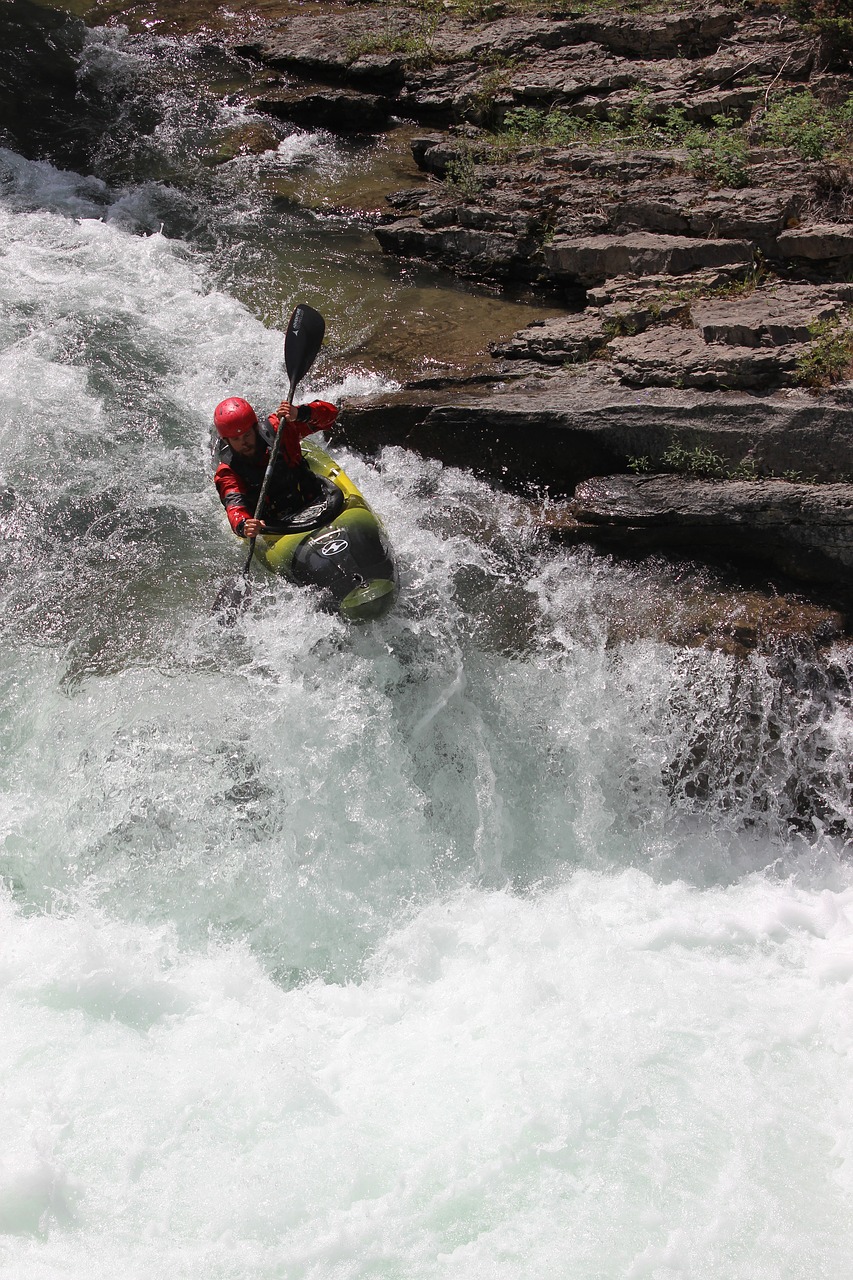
{"type": "Point", "coordinates": [262, 497]}
{"type": "Point", "coordinates": [301, 344]}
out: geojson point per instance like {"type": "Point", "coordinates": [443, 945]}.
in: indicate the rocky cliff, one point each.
{"type": "Point", "coordinates": [680, 183]}
{"type": "Point", "coordinates": [677, 183]}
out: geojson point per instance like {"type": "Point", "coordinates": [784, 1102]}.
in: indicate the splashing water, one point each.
{"type": "Point", "coordinates": [468, 944]}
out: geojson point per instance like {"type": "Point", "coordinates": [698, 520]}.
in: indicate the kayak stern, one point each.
{"type": "Point", "coordinates": [369, 601]}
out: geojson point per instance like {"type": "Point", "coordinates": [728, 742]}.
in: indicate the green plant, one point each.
{"type": "Point", "coordinates": [483, 104]}
{"type": "Point", "coordinates": [526, 126]}
{"type": "Point", "coordinates": [469, 10]}
{"type": "Point", "coordinates": [641, 111]}
{"type": "Point", "coordinates": [719, 155]}
{"type": "Point", "coordinates": [701, 463]}
{"type": "Point", "coordinates": [638, 125]}
{"type": "Point", "coordinates": [800, 121]}
{"type": "Point", "coordinates": [462, 174]}
{"type": "Point", "coordinates": [698, 462]}
{"type": "Point", "coordinates": [755, 275]}
{"type": "Point", "coordinates": [830, 19]}
{"type": "Point", "coordinates": [619, 325]}
{"type": "Point", "coordinates": [744, 470]}
{"type": "Point", "coordinates": [415, 45]}
{"type": "Point", "coordinates": [829, 358]}
{"type": "Point", "coordinates": [675, 126]}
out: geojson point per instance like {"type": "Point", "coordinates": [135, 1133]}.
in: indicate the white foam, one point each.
{"type": "Point", "coordinates": [516, 1087]}
{"type": "Point", "coordinates": [417, 950]}
{"type": "Point", "coordinates": [315, 148]}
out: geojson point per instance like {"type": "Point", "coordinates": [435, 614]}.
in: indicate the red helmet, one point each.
{"type": "Point", "coordinates": [233, 417]}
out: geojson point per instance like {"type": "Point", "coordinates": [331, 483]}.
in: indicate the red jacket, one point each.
{"type": "Point", "coordinates": [238, 479]}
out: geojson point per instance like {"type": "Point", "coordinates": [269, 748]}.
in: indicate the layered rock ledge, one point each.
{"type": "Point", "coordinates": [567, 430]}
{"type": "Point", "coordinates": [707, 325]}
{"type": "Point", "coordinates": [704, 277]}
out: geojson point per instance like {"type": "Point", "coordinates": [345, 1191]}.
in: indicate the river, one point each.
{"type": "Point", "coordinates": [485, 941]}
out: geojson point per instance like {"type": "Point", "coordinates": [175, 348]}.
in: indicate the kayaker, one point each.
{"type": "Point", "coordinates": [243, 451]}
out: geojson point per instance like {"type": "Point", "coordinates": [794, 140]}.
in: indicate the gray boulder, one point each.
{"type": "Point", "coordinates": [771, 316]}
{"type": "Point", "coordinates": [822, 242]}
{"type": "Point", "coordinates": [589, 260]}
{"type": "Point", "coordinates": [667, 356]}
{"type": "Point", "coordinates": [804, 531]}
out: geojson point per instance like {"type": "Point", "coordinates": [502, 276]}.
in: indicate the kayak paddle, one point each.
{"type": "Point", "coordinates": [302, 342]}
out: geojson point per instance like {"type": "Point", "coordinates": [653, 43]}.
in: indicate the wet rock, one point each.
{"type": "Point", "coordinates": [752, 213]}
{"type": "Point", "coordinates": [662, 348]}
{"type": "Point", "coordinates": [668, 91]}
{"type": "Point", "coordinates": [751, 339]}
{"type": "Point", "coordinates": [572, 424]}
{"type": "Point", "coordinates": [245, 140]}
{"type": "Point", "coordinates": [803, 531]}
{"type": "Point", "coordinates": [762, 45]}
{"type": "Point", "coordinates": [628, 293]}
{"type": "Point", "coordinates": [700, 62]}
{"type": "Point", "coordinates": [681, 207]}
{"type": "Point", "coordinates": [571, 75]}
{"type": "Point", "coordinates": [433, 153]}
{"type": "Point", "coordinates": [328, 45]}
{"type": "Point", "coordinates": [39, 110]}
{"type": "Point", "coordinates": [699, 605]}
{"type": "Point", "coordinates": [620, 166]}
{"type": "Point", "coordinates": [740, 621]}
{"type": "Point", "coordinates": [340, 110]}
{"type": "Point", "coordinates": [493, 251]}
{"type": "Point", "coordinates": [699, 30]}
{"type": "Point", "coordinates": [450, 70]}
{"type": "Point", "coordinates": [842, 291]}
{"type": "Point", "coordinates": [620, 320]}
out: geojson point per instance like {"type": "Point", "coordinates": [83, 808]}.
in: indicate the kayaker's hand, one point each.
{"type": "Point", "coordinates": [287, 410]}
{"type": "Point", "coordinates": [251, 528]}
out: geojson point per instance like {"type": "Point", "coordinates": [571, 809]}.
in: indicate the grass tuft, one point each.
{"type": "Point", "coordinates": [829, 358]}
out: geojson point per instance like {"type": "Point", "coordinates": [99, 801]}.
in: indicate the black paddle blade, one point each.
{"type": "Point", "coordinates": [302, 341]}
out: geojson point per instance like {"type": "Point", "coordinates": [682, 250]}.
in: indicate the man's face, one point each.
{"type": "Point", "coordinates": [244, 443]}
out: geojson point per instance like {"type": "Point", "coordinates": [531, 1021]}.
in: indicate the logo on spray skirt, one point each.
{"type": "Point", "coordinates": [334, 548]}
{"type": "Point", "coordinates": [333, 542]}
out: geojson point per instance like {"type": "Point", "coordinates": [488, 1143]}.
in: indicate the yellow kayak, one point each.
{"type": "Point", "coordinates": [337, 545]}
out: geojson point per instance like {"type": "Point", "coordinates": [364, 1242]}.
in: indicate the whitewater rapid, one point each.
{"type": "Point", "coordinates": [473, 943]}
